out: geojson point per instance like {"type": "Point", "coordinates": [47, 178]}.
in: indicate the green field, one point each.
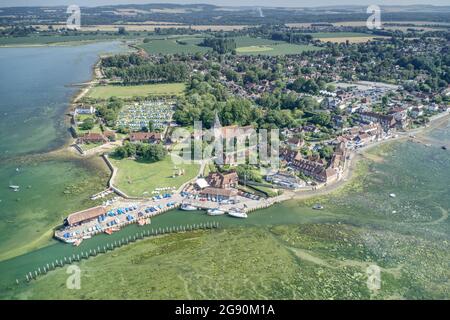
{"type": "Point", "coordinates": [171, 46]}
{"type": "Point", "coordinates": [256, 46]}
{"type": "Point", "coordinates": [56, 39]}
{"type": "Point", "coordinates": [138, 178]}
{"type": "Point", "coordinates": [339, 34]}
{"type": "Point", "coordinates": [245, 46]}
{"type": "Point", "coordinates": [251, 49]}
{"type": "Point", "coordinates": [275, 49]}
{"type": "Point", "coordinates": [160, 89]}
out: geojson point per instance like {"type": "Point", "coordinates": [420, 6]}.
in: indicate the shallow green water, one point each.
{"type": "Point", "coordinates": [35, 94]}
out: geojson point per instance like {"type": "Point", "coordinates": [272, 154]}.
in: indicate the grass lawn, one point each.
{"type": "Point", "coordinates": [89, 146]}
{"type": "Point", "coordinates": [160, 89]}
{"type": "Point", "coordinates": [95, 129]}
{"type": "Point", "coordinates": [135, 178]}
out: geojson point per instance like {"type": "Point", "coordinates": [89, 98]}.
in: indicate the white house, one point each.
{"type": "Point", "coordinates": [85, 110]}
{"type": "Point", "coordinates": [416, 112]}
{"type": "Point", "coordinates": [433, 107]}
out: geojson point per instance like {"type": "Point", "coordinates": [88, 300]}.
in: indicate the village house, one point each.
{"type": "Point", "coordinates": [339, 121]}
{"type": "Point", "coordinates": [353, 108]}
{"type": "Point", "coordinates": [218, 193]}
{"type": "Point", "coordinates": [314, 169]}
{"type": "Point", "coordinates": [84, 110]}
{"type": "Point", "coordinates": [223, 180]}
{"type": "Point", "coordinates": [147, 137]}
{"type": "Point", "coordinates": [386, 121]}
{"type": "Point", "coordinates": [364, 138]}
{"type": "Point", "coordinates": [433, 107]}
{"type": "Point", "coordinates": [416, 112]}
{"type": "Point", "coordinates": [335, 103]}
{"type": "Point", "coordinates": [399, 113]}
{"type": "Point", "coordinates": [295, 143]}
{"type": "Point", "coordinates": [285, 180]}
{"type": "Point", "coordinates": [110, 135]}
{"type": "Point", "coordinates": [92, 137]}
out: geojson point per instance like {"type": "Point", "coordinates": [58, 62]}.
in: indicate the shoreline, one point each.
{"type": "Point", "coordinates": [356, 157]}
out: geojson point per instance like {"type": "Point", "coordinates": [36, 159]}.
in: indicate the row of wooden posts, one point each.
{"type": "Point", "coordinates": [114, 245]}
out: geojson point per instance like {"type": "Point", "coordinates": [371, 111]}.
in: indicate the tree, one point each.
{"type": "Point", "coordinates": [323, 119]}
{"type": "Point", "coordinates": [87, 124]}
{"type": "Point", "coordinates": [151, 126]}
{"type": "Point", "coordinates": [154, 152]}
{"type": "Point", "coordinates": [326, 152]}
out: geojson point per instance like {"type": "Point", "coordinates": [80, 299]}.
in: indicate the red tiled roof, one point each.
{"type": "Point", "coordinates": [145, 136]}
{"type": "Point", "coordinates": [84, 215]}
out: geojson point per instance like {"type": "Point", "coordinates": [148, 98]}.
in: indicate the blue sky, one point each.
{"type": "Point", "coordinates": [281, 3]}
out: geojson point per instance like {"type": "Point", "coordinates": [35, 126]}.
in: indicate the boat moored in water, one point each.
{"type": "Point", "coordinates": [188, 207]}
{"type": "Point", "coordinates": [317, 207]}
{"type": "Point", "coordinates": [215, 212]}
{"type": "Point", "coordinates": [237, 213]}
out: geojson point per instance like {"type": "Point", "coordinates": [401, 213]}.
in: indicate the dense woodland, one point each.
{"type": "Point", "coordinates": [133, 69]}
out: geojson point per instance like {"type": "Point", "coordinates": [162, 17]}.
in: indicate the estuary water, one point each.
{"type": "Point", "coordinates": [35, 93]}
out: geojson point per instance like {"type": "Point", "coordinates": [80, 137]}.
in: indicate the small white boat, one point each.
{"type": "Point", "coordinates": [87, 237]}
{"type": "Point", "coordinates": [392, 195]}
{"type": "Point", "coordinates": [77, 242]}
{"type": "Point", "coordinates": [215, 212]}
{"type": "Point", "coordinates": [188, 207]}
{"type": "Point", "coordinates": [237, 213]}
{"type": "Point", "coordinates": [317, 207]}
{"type": "Point", "coordinates": [14, 188]}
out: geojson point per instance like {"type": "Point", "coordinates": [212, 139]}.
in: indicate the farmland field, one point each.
{"type": "Point", "coordinates": [245, 46]}
{"type": "Point", "coordinates": [255, 46]}
{"type": "Point", "coordinates": [174, 45]}
{"type": "Point", "coordinates": [323, 35]}
{"type": "Point", "coordinates": [140, 178]}
{"type": "Point", "coordinates": [160, 89]}
{"type": "Point", "coordinates": [338, 37]}
{"type": "Point", "coordinates": [57, 39]}
{"type": "Point", "coordinates": [275, 49]}
{"type": "Point", "coordinates": [254, 49]}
